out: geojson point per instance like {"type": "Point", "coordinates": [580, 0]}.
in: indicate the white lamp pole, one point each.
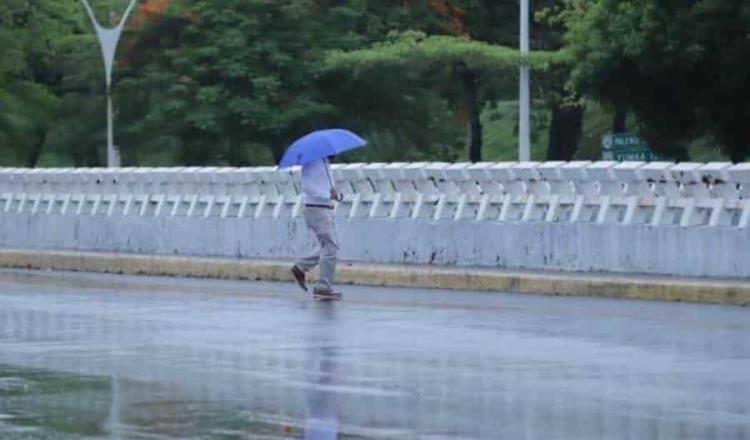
{"type": "Point", "coordinates": [108, 39]}
{"type": "Point", "coordinates": [524, 136]}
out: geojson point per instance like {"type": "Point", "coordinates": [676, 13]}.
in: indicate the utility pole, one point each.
{"type": "Point", "coordinates": [524, 102]}
{"type": "Point", "coordinates": [108, 39]}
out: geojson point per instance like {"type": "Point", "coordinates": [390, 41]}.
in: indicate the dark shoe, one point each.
{"type": "Point", "coordinates": [299, 277]}
{"type": "Point", "coordinates": [325, 294]}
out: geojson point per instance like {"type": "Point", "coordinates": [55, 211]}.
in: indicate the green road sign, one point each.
{"type": "Point", "coordinates": [625, 146]}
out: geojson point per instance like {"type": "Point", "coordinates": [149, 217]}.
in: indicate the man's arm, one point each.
{"type": "Point", "coordinates": [334, 194]}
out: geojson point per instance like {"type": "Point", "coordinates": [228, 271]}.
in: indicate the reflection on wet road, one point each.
{"type": "Point", "coordinates": [107, 357]}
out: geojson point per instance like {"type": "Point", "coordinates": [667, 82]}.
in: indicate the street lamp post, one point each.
{"type": "Point", "coordinates": [524, 142]}
{"type": "Point", "coordinates": [108, 39]}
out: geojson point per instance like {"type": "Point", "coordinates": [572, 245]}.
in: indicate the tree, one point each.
{"type": "Point", "coordinates": [405, 118]}
{"type": "Point", "coordinates": [30, 37]}
{"type": "Point", "coordinates": [260, 61]}
{"type": "Point", "coordinates": [415, 51]}
{"type": "Point", "coordinates": [681, 67]}
{"type": "Point", "coordinates": [238, 79]}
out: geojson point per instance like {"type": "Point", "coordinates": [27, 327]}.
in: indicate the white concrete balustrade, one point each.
{"type": "Point", "coordinates": [687, 219]}
{"type": "Point", "coordinates": [656, 194]}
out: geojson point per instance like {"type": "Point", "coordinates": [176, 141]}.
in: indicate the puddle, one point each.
{"type": "Point", "coordinates": [41, 405]}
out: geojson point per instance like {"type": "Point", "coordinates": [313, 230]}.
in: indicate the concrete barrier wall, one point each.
{"type": "Point", "coordinates": [720, 252]}
{"type": "Point", "coordinates": [686, 219]}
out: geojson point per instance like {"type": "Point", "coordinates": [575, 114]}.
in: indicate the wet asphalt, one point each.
{"type": "Point", "coordinates": [119, 357]}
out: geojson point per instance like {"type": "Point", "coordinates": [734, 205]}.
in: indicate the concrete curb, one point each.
{"type": "Point", "coordinates": [736, 292]}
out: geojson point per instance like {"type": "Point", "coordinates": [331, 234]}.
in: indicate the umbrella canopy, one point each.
{"type": "Point", "coordinates": [320, 144]}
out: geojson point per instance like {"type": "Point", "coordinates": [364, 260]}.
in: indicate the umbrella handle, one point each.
{"type": "Point", "coordinates": [340, 197]}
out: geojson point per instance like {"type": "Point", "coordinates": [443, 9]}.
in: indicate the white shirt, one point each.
{"type": "Point", "coordinates": [317, 183]}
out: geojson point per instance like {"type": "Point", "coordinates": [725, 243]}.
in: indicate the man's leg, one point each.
{"type": "Point", "coordinates": [329, 247]}
{"type": "Point", "coordinates": [305, 264]}
{"type": "Point", "coordinates": [309, 262]}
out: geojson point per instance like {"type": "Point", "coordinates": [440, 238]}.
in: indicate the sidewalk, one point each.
{"type": "Point", "coordinates": [736, 292]}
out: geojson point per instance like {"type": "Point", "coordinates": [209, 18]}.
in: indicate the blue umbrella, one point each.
{"type": "Point", "coordinates": [320, 144]}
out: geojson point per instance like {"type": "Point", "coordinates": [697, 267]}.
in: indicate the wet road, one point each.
{"type": "Point", "coordinates": [94, 356]}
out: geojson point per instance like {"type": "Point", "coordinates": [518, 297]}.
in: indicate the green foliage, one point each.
{"type": "Point", "coordinates": [244, 78]}
{"type": "Point", "coordinates": [682, 67]}
{"type": "Point", "coordinates": [417, 50]}
{"type": "Point", "coordinates": [238, 78]}
{"type": "Point", "coordinates": [234, 81]}
{"type": "Point", "coordinates": [471, 62]}
{"type": "Point", "coordinates": [32, 36]}
{"type": "Point", "coordinates": [402, 119]}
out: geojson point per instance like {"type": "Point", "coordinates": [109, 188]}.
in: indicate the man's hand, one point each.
{"type": "Point", "coordinates": [335, 195]}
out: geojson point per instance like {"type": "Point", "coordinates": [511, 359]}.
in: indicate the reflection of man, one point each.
{"type": "Point", "coordinates": [320, 195]}
{"type": "Point", "coordinates": [322, 413]}
{"type": "Point", "coordinates": [322, 408]}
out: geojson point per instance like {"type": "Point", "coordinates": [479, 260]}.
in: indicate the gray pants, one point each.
{"type": "Point", "coordinates": [320, 222]}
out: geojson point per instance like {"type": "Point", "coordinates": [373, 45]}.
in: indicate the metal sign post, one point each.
{"type": "Point", "coordinates": [108, 39]}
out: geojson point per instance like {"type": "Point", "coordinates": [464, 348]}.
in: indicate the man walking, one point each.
{"type": "Point", "coordinates": [320, 196]}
